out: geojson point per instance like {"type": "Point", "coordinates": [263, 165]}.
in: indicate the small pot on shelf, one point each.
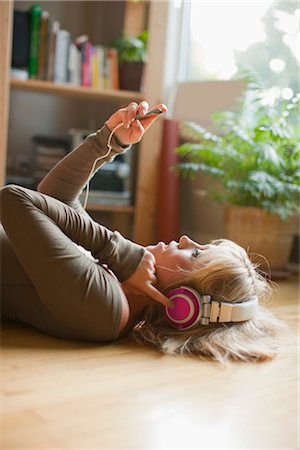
{"type": "Point", "coordinates": [132, 55]}
{"type": "Point", "coordinates": [131, 76]}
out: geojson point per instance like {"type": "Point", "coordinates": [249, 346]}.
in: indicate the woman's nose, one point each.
{"type": "Point", "coordinates": [184, 241]}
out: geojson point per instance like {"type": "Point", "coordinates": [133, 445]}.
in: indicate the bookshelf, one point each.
{"type": "Point", "coordinates": [141, 215]}
{"type": "Point", "coordinates": [111, 208]}
{"type": "Point", "coordinates": [48, 87]}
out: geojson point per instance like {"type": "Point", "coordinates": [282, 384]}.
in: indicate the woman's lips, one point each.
{"type": "Point", "coordinates": [162, 245]}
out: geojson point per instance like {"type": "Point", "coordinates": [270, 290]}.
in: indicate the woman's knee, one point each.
{"type": "Point", "coordinates": [9, 191]}
{"type": "Point", "coordinates": [6, 190]}
{"type": "Point", "coordinates": [6, 194]}
{"type": "Point", "coordinates": [10, 196]}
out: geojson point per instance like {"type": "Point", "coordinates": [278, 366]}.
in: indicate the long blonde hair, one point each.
{"type": "Point", "coordinates": [225, 272]}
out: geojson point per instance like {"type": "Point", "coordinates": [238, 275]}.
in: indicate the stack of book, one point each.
{"type": "Point", "coordinates": [47, 152]}
{"type": "Point", "coordinates": [43, 50]}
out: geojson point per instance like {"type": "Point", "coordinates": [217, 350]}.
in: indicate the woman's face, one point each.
{"type": "Point", "coordinates": [174, 258]}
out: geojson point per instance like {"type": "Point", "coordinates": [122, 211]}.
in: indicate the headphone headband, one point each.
{"type": "Point", "coordinates": [233, 312]}
{"type": "Point", "coordinates": [191, 308]}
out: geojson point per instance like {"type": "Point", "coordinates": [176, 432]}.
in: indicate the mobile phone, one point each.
{"type": "Point", "coordinates": [152, 112]}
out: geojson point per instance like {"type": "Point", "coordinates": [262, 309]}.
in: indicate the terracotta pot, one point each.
{"type": "Point", "coordinates": [261, 232]}
{"type": "Point", "coordinates": [131, 76]}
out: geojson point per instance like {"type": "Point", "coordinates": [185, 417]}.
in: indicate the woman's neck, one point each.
{"type": "Point", "coordinates": [137, 305]}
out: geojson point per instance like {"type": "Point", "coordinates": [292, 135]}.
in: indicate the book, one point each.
{"type": "Point", "coordinates": [85, 49]}
{"type": "Point", "coordinates": [54, 57]}
{"type": "Point", "coordinates": [21, 39]}
{"type": "Point", "coordinates": [63, 40]}
{"type": "Point", "coordinates": [35, 15]}
{"type": "Point", "coordinates": [19, 74]}
{"type": "Point", "coordinates": [86, 64]}
{"type": "Point", "coordinates": [53, 30]}
{"type": "Point", "coordinates": [95, 68]}
{"type": "Point", "coordinates": [47, 152]}
{"type": "Point", "coordinates": [100, 51]}
{"type": "Point", "coordinates": [43, 45]}
{"type": "Point", "coordinates": [112, 69]}
{"type": "Point", "coordinates": [74, 65]}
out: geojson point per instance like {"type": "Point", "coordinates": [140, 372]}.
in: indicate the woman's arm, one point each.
{"type": "Point", "coordinates": [68, 178]}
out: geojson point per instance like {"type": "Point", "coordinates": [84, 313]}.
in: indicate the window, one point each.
{"type": "Point", "coordinates": [262, 35]}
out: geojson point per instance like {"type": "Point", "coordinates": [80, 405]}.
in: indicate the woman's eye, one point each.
{"type": "Point", "coordinates": [196, 253]}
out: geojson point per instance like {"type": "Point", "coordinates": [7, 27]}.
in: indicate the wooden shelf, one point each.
{"type": "Point", "coordinates": [111, 208]}
{"type": "Point", "coordinates": [48, 87]}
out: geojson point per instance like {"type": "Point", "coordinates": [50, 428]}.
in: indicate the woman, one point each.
{"type": "Point", "coordinates": [69, 276]}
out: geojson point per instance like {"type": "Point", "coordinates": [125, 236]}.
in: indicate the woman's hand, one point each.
{"type": "Point", "coordinates": [143, 280]}
{"type": "Point", "coordinates": [132, 130]}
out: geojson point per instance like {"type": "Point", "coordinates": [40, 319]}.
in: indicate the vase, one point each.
{"type": "Point", "coordinates": [131, 76]}
{"type": "Point", "coordinates": [262, 233]}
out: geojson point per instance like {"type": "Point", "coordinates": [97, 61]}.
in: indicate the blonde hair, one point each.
{"type": "Point", "coordinates": [225, 272]}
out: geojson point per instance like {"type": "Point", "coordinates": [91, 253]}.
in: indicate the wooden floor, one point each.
{"type": "Point", "coordinates": [66, 395]}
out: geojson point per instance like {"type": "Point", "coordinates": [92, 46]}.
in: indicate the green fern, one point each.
{"type": "Point", "coordinates": [253, 152]}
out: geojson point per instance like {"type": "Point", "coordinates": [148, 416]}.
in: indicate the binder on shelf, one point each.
{"type": "Point", "coordinates": [21, 39]}
{"type": "Point", "coordinates": [36, 12]}
{"type": "Point", "coordinates": [86, 64]}
{"type": "Point", "coordinates": [43, 45]}
{"type": "Point", "coordinates": [101, 60]}
{"type": "Point", "coordinates": [61, 56]}
{"type": "Point", "coordinates": [112, 68]}
{"type": "Point", "coordinates": [74, 65]}
{"type": "Point", "coordinates": [54, 28]}
{"type": "Point", "coordinates": [95, 68]}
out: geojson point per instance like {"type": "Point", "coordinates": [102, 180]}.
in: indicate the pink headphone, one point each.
{"type": "Point", "coordinates": [191, 308]}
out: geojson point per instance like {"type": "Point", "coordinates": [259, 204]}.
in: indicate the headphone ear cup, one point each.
{"type": "Point", "coordinates": [187, 308]}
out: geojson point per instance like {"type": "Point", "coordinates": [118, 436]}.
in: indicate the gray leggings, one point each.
{"type": "Point", "coordinates": [46, 280]}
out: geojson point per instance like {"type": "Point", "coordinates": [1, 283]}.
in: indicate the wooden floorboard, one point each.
{"type": "Point", "coordinates": [66, 395]}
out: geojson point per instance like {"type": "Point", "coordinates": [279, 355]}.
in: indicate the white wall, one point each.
{"type": "Point", "coordinates": [201, 218]}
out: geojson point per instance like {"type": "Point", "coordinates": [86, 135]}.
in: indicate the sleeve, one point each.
{"type": "Point", "coordinates": [121, 255]}
{"type": "Point", "coordinates": [66, 181]}
{"type": "Point", "coordinates": [68, 178]}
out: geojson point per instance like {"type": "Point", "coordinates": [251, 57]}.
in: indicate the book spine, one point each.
{"type": "Point", "coordinates": [58, 58]}
{"type": "Point", "coordinates": [105, 69]}
{"type": "Point", "coordinates": [61, 57]}
{"type": "Point", "coordinates": [80, 43]}
{"type": "Point", "coordinates": [21, 39]}
{"type": "Point", "coordinates": [86, 64]}
{"type": "Point", "coordinates": [36, 11]}
{"type": "Point", "coordinates": [43, 45]}
{"type": "Point", "coordinates": [100, 50]}
{"type": "Point", "coordinates": [74, 65]}
{"type": "Point", "coordinates": [112, 68]}
{"type": "Point", "coordinates": [52, 49]}
{"type": "Point", "coordinates": [95, 68]}
{"type": "Point", "coordinates": [66, 53]}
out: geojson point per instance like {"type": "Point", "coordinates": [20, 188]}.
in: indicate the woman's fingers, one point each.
{"type": "Point", "coordinates": [133, 130]}
{"type": "Point", "coordinates": [142, 108]}
{"type": "Point", "coordinates": [127, 115]}
{"type": "Point", "coordinates": [147, 120]}
{"type": "Point", "coordinates": [156, 295]}
{"type": "Point", "coordinates": [132, 109]}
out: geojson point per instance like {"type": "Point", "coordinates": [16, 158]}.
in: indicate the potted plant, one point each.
{"type": "Point", "coordinates": [253, 153]}
{"type": "Point", "coordinates": [132, 55]}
